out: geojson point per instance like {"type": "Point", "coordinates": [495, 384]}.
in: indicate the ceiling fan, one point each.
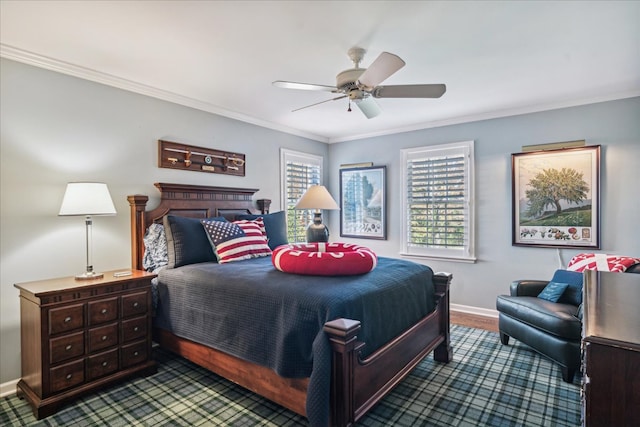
{"type": "Point", "coordinates": [361, 85]}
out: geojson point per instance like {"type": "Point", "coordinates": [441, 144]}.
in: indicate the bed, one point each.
{"type": "Point", "coordinates": [356, 376]}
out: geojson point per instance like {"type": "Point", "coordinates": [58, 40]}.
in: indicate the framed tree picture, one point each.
{"type": "Point", "coordinates": [556, 198]}
{"type": "Point", "coordinates": [363, 202]}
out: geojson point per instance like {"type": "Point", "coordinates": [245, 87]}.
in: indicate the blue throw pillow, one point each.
{"type": "Point", "coordinates": [187, 241]}
{"type": "Point", "coordinates": [573, 293]}
{"type": "Point", "coordinates": [276, 226]}
{"type": "Point", "coordinates": [553, 291]}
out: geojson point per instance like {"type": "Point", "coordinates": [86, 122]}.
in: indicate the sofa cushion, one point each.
{"type": "Point", "coordinates": [551, 317]}
{"type": "Point", "coordinates": [573, 293]}
{"type": "Point", "coordinates": [553, 291]}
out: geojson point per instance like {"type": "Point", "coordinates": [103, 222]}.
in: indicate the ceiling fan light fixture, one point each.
{"type": "Point", "coordinates": [362, 85]}
{"type": "Point", "coordinates": [369, 107]}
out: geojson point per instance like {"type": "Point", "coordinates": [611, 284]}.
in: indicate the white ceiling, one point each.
{"type": "Point", "coordinates": [497, 58]}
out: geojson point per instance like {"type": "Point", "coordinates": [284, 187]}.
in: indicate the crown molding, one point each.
{"type": "Point", "coordinates": [45, 62]}
{"type": "Point", "coordinates": [516, 111]}
{"type": "Point", "coordinates": [30, 58]}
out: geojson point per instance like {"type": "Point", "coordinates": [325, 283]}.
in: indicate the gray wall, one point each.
{"type": "Point", "coordinates": [56, 129]}
{"type": "Point", "coordinates": [613, 125]}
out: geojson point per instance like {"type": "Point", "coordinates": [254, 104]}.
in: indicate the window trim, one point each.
{"type": "Point", "coordinates": [466, 254]}
{"type": "Point", "coordinates": [287, 155]}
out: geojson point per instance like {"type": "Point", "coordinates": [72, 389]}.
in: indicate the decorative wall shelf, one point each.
{"type": "Point", "coordinates": [174, 155]}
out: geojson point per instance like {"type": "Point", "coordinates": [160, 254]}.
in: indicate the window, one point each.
{"type": "Point", "coordinates": [299, 172]}
{"type": "Point", "coordinates": [438, 215]}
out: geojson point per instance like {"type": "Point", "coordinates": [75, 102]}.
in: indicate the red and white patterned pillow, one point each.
{"type": "Point", "coordinates": [601, 262]}
{"type": "Point", "coordinates": [236, 241]}
{"type": "Point", "coordinates": [258, 221]}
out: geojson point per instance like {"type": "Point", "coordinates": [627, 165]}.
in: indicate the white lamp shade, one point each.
{"type": "Point", "coordinates": [317, 197]}
{"type": "Point", "coordinates": [87, 198]}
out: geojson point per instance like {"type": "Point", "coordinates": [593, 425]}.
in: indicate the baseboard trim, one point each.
{"type": "Point", "coordinates": [478, 311]}
{"type": "Point", "coordinates": [8, 388]}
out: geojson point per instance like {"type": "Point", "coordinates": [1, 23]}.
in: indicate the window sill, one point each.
{"type": "Point", "coordinates": [466, 260]}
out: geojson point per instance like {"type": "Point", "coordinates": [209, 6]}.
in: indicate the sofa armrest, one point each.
{"type": "Point", "coordinates": [527, 288]}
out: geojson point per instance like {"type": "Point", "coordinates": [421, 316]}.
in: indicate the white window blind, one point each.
{"type": "Point", "coordinates": [438, 190]}
{"type": "Point", "coordinates": [299, 172]}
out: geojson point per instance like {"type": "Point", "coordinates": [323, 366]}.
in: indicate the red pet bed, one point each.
{"type": "Point", "coordinates": [324, 259]}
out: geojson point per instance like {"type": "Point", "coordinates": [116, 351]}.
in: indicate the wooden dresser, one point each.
{"type": "Point", "coordinates": [78, 335]}
{"type": "Point", "coordinates": [611, 349]}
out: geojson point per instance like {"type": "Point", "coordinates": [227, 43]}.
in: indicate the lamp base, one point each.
{"type": "Point", "coordinates": [89, 275]}
{"type": "Point", "coordinates": [317, 231]}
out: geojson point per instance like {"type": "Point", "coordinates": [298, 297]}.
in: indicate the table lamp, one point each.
{"type": "Point", "coordinates": [87, 199]}
{"type": "Point", "coordinates": [317, 197]}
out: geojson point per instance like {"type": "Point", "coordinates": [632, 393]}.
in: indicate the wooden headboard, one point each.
{"type": "Point", "coordinates": [194, 201]}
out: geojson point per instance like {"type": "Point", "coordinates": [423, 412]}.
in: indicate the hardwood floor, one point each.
{"type": "Point", "coordinates": [474, 320]}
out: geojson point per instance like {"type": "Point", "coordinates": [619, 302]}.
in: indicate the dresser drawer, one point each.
{"type": "Point", "coordinates": [134, 304]}
{"type": "Point", "coordinates": [66, 319]}
{"type": "Point", "coordinates": [103, 337]}
{"type": "Point", "coordinates": [105, 310]}
{"type": "Point", "coordinates": [102, 364]}
{"type": "Point", "coordinates": [66, 376]}
{"type": "Point", "coordinates": [134, 329]}
{"type": "Point", "coordinates": [66, 347]}
{"type": "Point", "coordinates": [133, 354]}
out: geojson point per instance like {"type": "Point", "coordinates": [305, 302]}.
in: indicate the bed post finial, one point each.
{"type": "Point", "coordinates": [137, 204]}
{"type": "Point", "coordinates": [263, 205]}
{"type": "Point", "coordinates": [345, 349]}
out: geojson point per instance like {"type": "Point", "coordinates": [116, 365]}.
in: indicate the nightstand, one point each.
{"type": "Point", "coordinates": [79, 335]}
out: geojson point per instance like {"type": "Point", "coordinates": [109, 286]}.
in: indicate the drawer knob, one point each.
{"type": "Point", "coordinates": [104, 338]}
{"type": "Point", "coordinates": [104, 364]}
{"type": "Point", "coordinates": [68, 347]}
{"type": "Point", "coordinates": [136, 304]}
{"type": "Point", "coordinates": [69, 376]}
{"type": "Point", "coordinates": [67, 319]}
{"type": "Point", "coordinates": [136, 329]}
{"type": "Point", "coordinates": [135, 353]}
{"type": "Point", "coordinates": [103, 311]}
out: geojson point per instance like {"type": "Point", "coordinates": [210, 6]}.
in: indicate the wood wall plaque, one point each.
{"type": "Point", "coordinates": [174, 155]}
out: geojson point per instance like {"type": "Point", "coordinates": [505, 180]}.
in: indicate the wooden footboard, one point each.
{"type": "Point", "coordinates": [358, 384]}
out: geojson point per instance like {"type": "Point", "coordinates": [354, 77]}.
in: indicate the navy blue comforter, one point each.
{"type": "Point", "coordinates": [274, 319]}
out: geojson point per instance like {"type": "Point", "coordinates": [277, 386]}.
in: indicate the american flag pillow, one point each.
{"type": "Point", "coordinates": [235, 241]}
{"type": "Point", "coordinates": [258, 221]}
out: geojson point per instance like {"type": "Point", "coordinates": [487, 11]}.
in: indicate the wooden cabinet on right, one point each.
{"type": "Point", "coordinates": [611, 350]}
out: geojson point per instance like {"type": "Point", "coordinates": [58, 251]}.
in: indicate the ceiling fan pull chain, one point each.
{"type": "Point", "coordinates": [349, 109]}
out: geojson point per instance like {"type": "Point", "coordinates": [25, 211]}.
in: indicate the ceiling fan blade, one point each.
{"type": "Point", "coordinates": [369, 107]}
{"type": "Point", "coordinates": [384, 66]}
{"type": "Point", "coordinates": [410, 91]}
{"type": "Point", "coordinates": [321, 102]}
{"type": "Point", "coordinates": [303, 86]}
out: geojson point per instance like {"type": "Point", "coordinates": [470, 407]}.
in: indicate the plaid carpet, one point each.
{"type": "Point", "coordinates": [486, 384]}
